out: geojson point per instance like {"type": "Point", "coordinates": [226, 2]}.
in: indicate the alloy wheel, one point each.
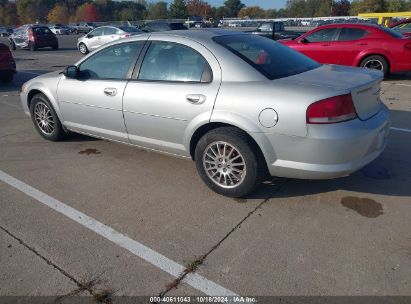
{"type": "Point", "coordinates": [44, 118]}
{"type": "Point", "coordinates": [224, 164]}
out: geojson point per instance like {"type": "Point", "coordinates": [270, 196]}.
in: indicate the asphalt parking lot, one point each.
{"type": "Point", "coordinates": [91, 217]}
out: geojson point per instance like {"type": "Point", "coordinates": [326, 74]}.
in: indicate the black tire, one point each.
{"type": "Point", "coordinates": [83, 48]}
{"type": "Point", "coordinates": [32, 46]}
{"type": "Point", "coordinates": [58, 132]}
{"type": "Point", "coordinates": [376, 62]}
{"type": "Point", "coordinates": [12, 45]}
{"type": "Point", "coordinates": [7, 77]}
{"type": "Point", "coordinates": [255, 168]}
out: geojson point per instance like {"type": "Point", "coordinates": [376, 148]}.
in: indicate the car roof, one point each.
{"type": "Point", "coordinates": [351, 25]}
{"type": "Point", "coordinates": [200, 34]}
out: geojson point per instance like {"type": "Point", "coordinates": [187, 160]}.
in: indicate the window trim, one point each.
{"type": "Point", "coordinates": [137, 69]}
{"type": "Point", "coordinates": [132, 64]}
{"type": "Point", "coordinates": [334, 37]}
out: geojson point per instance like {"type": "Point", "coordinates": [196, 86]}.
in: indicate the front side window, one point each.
{"type": "Point", "coordinates": [270, 58]}
{"type": "Point", "coordinates": [347, 34]}
{"type": "Point", "coordinates": [111, 63]}
{"type": "Point", "coordinates": [322, 35]}
{"type": "Point", "coordinates": [166, 61]}
{"type": "Point", "coordinates": [96, 32]}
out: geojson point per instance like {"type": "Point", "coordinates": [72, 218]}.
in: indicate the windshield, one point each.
{"type": "Point", "coordinates": [270, 58]}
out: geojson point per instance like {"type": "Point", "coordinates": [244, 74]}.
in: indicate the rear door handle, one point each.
{"type": "Point", "coordinates": [196, 98]}
{"type": "Point", "coordinates": [110, 91]}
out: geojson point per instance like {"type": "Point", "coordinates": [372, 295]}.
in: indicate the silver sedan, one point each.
{"type": "Point", "coordinates": [103, 35]}
{"type": "Point", "coordinates": [241, 106]}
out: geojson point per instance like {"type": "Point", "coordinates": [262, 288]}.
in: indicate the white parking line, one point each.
{"type": "Point", "coordinates": [400, 129]}
{"type": "Point", "coordinates": [403, 84]}
{"type": "Point", "coordinates": [195, 280]}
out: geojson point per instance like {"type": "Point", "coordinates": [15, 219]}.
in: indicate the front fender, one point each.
{"type": "Point", "coordinates": [50, 94]}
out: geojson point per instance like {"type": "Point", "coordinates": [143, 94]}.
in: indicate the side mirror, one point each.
{"type": "Point", "coordinates": [303, 40]}
{"type": "Point", "coordinates": [71, 72]}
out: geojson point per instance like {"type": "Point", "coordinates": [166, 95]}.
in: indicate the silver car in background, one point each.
{"type": "Point", "coordinates": [241, 106]}
{"type": "Point", "coordinates": [103, 35]}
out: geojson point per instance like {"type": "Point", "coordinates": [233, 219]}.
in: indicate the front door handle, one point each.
{"type": "Point", "coordinates": [110, 91]}
{"type": "Point", "coordinates": [196, 98]}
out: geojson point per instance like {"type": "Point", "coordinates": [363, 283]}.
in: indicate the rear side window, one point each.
{"type": "Point", "coordinates": [322, 35]}
{"type": "Point", "coordinates": [270, 58]}
{"type": "Point", "coordinates": [167, 61]}
{"type": "Point", "coordinates": [347, 34]}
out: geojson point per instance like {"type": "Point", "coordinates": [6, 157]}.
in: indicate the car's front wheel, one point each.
{"type": "Point", "coordinates": [83, 48]}
{"type": "Point", "coordinates": [45, 119]}
{"type": "Point", "coordinates": [229, 162]}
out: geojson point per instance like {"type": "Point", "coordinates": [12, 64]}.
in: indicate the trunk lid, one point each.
{"type": "Point", "coordinates": [363, 84]}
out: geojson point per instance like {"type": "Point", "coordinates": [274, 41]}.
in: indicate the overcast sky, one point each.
{"type": "Point", "coordinates": [263, 3]}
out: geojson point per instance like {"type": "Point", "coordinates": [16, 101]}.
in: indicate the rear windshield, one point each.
{"type": "Point", "coordinates": [41, 30]}
{"type": "Point", "coordinates": [177, 26]}
{"type": "Point", "coordinates": [129, 29]}
{"type": "Point", "coordinates": [392, 33]}
{"type": "Point", "coordinates": [270, 58]}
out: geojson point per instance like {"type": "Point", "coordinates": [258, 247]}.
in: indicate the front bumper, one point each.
{"type": "Point", "coordinates": [330, 151]}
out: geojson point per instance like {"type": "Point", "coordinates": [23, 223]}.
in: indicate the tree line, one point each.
{"type": "Point", "coordinates": [65, 11]}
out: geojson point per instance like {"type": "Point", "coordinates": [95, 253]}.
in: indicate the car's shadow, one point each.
{"type": "Point", "coordinates": [398, 76]}
{"type": "Point", "coordinates": [19, 78]}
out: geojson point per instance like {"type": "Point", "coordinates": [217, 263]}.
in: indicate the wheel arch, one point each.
{"type": "Point", "coordinates": [34, 91]}
{"type": "Point", "coordinates": [361, 58]}
{"type": "Point", "coordinates": [264, 148]}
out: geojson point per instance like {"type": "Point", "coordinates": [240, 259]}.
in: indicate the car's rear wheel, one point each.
{"type": "Point", "coordinates": [229, 163]}
{"type": "Point", "coordinates": [83, 48]}
{"type": "Point", "coordinates": [12, 45]}
{"type": "Point", "coordinates": [32, 46]}
{"type": "Point", "coordinates": [45, 118]}
{"type": "Point", "coordinates": [375, 62]}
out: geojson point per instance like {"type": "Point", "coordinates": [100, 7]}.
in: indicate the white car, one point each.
{"type": "Point", "coordinates": [59, 30]}
{"type": "Point", "coordinates": [103, 35]}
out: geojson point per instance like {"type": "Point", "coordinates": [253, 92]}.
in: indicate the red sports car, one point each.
{"type": "Point", "coordinates": [403, 26]}
{"type": "Point", "coordinates": [362, 45]}
{"type": "Point", "coordinates": [7, 64]}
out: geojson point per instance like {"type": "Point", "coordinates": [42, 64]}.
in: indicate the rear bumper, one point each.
{"type": "Point", "coordinates": [330, 151]}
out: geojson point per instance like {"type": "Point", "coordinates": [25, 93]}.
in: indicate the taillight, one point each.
{"type": "Point", "coordinates": [31, 35]}
{"type": "Point", "coordinates": [126, 36]}
{"type": "Point", "coordinates": [331, 110]}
